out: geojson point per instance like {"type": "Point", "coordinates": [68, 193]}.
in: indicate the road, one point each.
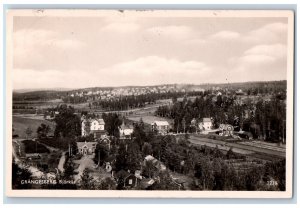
{"type": "Point", "coordinates": [247, 148]}
{"type": "Point", "coordinates": [85, 162]}
{"type": "Point", "coordinates": [62, 162]}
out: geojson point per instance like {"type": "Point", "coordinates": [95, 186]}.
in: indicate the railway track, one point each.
{"type": "Point", "coordinates": [262, 151]}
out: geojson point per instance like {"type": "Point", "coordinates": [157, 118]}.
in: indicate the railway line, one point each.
{"type": "Point", "coordinates": [255, 149]}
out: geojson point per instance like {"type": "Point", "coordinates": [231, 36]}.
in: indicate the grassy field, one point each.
{"type": "Point", "coordinates": [149, 119]}
{"type": "Point", "coordinates": [20, 124]}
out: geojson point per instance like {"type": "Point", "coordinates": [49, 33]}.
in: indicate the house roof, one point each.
{"type": "Point", "coordinates": [149, 157]}
{"type": "Point", "coordinates": [87, 144]}
{"type": "Point", "coordinates": [99, 120]}
{"type": "Point", "coordinates": [226, 127]}
{"type": "Point", "coordinates": [161, 123]}
{"type": "Point", "coordinates": [206, 120]}
{"type": "Point", "coordinates": [156, 163]}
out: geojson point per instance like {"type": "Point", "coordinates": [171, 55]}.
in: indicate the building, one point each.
{"type": "Point", "coordinates": [129, 180]}
{"type": "Point", "coordinates": [86, 148]}
{"type": "Point", "coordinates": [125, 131]}
{"type": "Point", "coordinates": [162, 127]}
{"type": "Point", "coordinates": [93, 126]}
{"type": "Point", "coordinates": [226, 130]}
{"type": "Point", "coordinates": [156, 163]}
{"type": "Point", "coordinates": [206, 124]}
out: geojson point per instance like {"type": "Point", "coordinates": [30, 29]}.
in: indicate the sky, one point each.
{"type": "Point", "coordinates": [80, 52]}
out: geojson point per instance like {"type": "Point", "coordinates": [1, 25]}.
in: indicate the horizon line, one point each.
{"type": "Point", "coordinates": [62, 89]}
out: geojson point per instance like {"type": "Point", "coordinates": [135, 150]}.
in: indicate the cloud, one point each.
{"type": "Point", "coordinates": [149, 70]}
{"type": "Point", "coordinates": [274, 50]}
{"type": "Point", "coordinates": [155, 70]}
{"type": "Point", "coordinates": [260, 62]}
{"type": "Point", "coordinates": [32, 38]}
{"type": "Point", "coordinates": [121, 27]}
{"type": "Point", "coordinates": [172, 32]}
{"type": "Point", "coordinates": [42, 45]}
{"type": "Point", "coordinates": [28, 78]}
{"type": "Point", "coordinates": [225, 35]}
{"type": "Point", "coordinates": [270, 33]}
{"type": "Point", "coordinates": [261, 54]}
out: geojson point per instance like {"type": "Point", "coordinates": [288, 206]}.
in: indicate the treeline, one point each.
{"type": "Point", "coordinates": [38, 95]}
{"type": "Point", "coordinates": [67, 128]}
{"type": "Point", "coordinates": [264, 119]}
{"type": "Point", "coordinates": [126, 102]}
{"type": "Point", "coordinates": [75, 99]}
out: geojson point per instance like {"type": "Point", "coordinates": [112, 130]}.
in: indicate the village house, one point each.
{"type": "Point", "coordinates": [206, 124]}
{"type": "Point", "coordinates": [86, 148]}
{"type": "Point", "coordinates": [162, 127]}
{"type": "Point", "coordinates": [92, 126]}
{"type": "Point", "coordinates": [129, 180]}
{"type": "Point", "coordinates": [125, 131]}
{"type": "Point", "coordinates": [226, 130]}
{"type": "Point", "coordinates": [155, 162]}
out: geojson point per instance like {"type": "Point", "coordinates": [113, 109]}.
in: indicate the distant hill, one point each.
{"type": "Point", "coordinates": [58, 93]}
{"type": "Point", "coordinates": [41, 90]}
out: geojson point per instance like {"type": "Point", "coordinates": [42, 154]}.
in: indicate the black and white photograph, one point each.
{"type": "Point", "coordinates": [150, 103]}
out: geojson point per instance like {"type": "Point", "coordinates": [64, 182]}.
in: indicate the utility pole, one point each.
{"type": "Point", "coordinates": [99, 158]}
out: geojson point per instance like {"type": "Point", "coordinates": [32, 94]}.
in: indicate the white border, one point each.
{"type": "Point", "coordinates": [153, 194]}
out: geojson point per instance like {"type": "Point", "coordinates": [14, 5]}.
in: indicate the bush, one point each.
{"type": "Point", "coordinates": [34, 147]}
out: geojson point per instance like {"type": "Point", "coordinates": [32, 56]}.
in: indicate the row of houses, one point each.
{"type": "Point", "coordinates": [96, 127]}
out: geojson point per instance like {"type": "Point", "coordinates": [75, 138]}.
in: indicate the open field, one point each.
{"type": "Point", "coordinates": [20, 124]}
{"type": "Point", "coordinates": [148, 119]}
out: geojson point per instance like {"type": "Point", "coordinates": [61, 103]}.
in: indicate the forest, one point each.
{"type": "Point", "coordinates": [263, 118]}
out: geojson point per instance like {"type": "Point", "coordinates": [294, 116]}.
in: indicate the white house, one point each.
{"type": "Point", "coordinates": [125, 131]}
{"type": "Point", "coordinates": [86, 148]}
{"type": "Point", "coordinates": [206, 124]}
{"type": "Point", "coordinates": [92, 126]}
{"type": "Point", "coordinates": [226, 130]}
{"type": "Point", "coordinates": [162, 127]}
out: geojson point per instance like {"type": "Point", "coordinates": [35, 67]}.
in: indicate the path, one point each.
{"type": "Point", "coordinates": [85, 162]}
{"type": "Point", "coordinates": [62, 162]}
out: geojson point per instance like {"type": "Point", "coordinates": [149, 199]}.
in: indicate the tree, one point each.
{"type": "Point", "coordinates": [121, 158]}
{"type": "Point", "coordinates": [101, 153]}
{"type": "Point", "coordinates": [42, 131]}
{"type": "Point", "coordinates": [147, 149]}
{"type": "Point", "coordinates": [74, 148]}
{"type": "Point", "coordinates": [28, 132]}
{"type": "Point", "coordinates": [149, 170]}
{"type": "Point", "coordinates": [134, 157]}
{"type": "Point", "coordinates": [203, 171]}
{"type": "Point", "coordinates": [129, 157]}
{"type": "Point", "coordinates": [107, 184]}
{"type": "Point", "coordinates": [164, 182]}
{"type": "Point", "coordinates": [87, 127]}
{"type": "Point", "coordinates": [112, 124]}
{"type": "Point", "coordinates": [18, 175]}
{"type": "Point", "coordinates": [87, 181]}
{"type": "Point", "coordinates": [139, 133]}
{"type": "Point", "coordinates": [69, 171]}
{"type": "Point", "coordinates": [67, 122]}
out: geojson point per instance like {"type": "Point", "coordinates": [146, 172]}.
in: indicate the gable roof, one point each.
{"type": "Point", "coordinates": [87, 144]}
{"type": "Point", "coordinates": [99, 120]}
